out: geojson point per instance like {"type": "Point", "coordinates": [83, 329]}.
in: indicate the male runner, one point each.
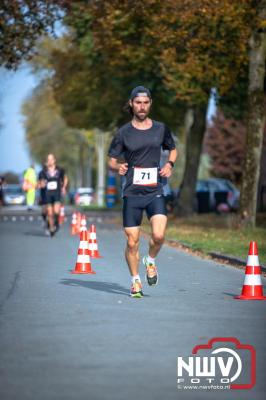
{"type": "Point", "coordinates": [139, 142]}
{"type": "Point", "coordinates": [54, 179]}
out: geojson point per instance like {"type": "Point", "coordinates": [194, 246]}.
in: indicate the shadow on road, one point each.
{"type": "Point", "coordinates": [230, 294]}
{"type": "Point", "coordinates": [108, 287]}
{"type": "Point", "coordinates": [35, 233]}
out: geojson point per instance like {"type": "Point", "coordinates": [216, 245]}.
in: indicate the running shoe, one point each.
{"type": "Point", "coordinates": [151, 272]}
{"type": "Point", "coordinates": [136, 289]}
{"type": "Point", "coordinates": [52, 232]}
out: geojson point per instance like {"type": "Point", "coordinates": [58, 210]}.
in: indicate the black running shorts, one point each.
{"type": "Point", "coordinates": [43, 200]}
{"type": "Point", "coordinates": [133, 208]}
{"type": "Point", "coordinates": [53, 197]}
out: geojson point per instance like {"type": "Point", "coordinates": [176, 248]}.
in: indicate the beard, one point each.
{"type": "Point", "coordinates": [141, 116]}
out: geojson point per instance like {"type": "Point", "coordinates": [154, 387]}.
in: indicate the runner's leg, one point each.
{"type": "Point", "coordinates": [57, 206]}
{"type": "Point", "coordinates": [44, 213]}
{"type": "Point", "coordinates": [30, 197]}
{"type": "Point", "coordinates": [50, 214]}
{"type": "Point", "coordinates": [132, 249]}
{"type": "Point", "coordinates": [158, 227]}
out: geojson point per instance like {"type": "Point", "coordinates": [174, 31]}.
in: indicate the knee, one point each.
{"type": "Point", "coordinates": [132, 245]}
{"type": "Point", "coordinates": [158, 238]}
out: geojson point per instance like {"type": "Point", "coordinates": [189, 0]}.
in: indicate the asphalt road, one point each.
{"type": "Point", "coordinates": [75, 337]}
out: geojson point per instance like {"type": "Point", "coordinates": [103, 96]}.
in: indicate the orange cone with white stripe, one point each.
{"type": "Point", "coordinates": [93, 245]}
{"type": "Point", "coordinates": [74, 222]}
{"type": "Point", "coordinates": [83, 224]}
{"type": "Point", "coordinates": [62, 215]}
{"type": "Point", "coordinates": [83, 264]}
{"type": "Point", "coordinates": [78, 223]}
{"type": "Point", "coordinates": [252, 288]}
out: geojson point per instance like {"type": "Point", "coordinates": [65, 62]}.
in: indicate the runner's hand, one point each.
{"type": "Point", "coordinates": [123, 169]}
{"type": "Point", "coordinates": [166, 171]}
{"type": "Point", "coordinates": [63, 191]}
{"type": "Point", "coordinates": [42, 183]}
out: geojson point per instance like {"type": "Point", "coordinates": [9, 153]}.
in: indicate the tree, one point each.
{"type": "Point", "coordinates": [105, 74]}
{"type": "Point", "coordinates": [192, 46]}
{"type": "Point", "coordinates": [262, 180]}
{"type": "Point", "coordinates": [225, 143]}
{"type": "Point", "coordinates": [11, 177]}
{"type": "Point", "coordinates": [22, 22]}
{"type": "Point", "coordinates": [255, 117]}
{"type": "Point", "coordinates": [180, 49]}
{"type": "Point", "coordinates": [46, 131]}
{"type": "Point", "coordinates": [203, 46]}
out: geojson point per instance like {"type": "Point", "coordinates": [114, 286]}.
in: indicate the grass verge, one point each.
{"type": "Point", "coordinates": [217, 233]}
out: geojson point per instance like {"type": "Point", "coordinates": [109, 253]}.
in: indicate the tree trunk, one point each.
{"type": "Point", "coordinates": [194, 139]}
{"type": "Point", "coordinates": [100, 143]}
{"type": "Point", "coordinates": [89, 170]}
{"type": "Point", "coordinates": [82, 164]}
{"type": "Point", "coordinates": [255, 124]}
{"type": "Point", "coordinates": [261, 202]}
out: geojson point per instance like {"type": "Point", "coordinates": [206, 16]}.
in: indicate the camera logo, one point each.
{"type": "Point", "coordinates": [222, 363]}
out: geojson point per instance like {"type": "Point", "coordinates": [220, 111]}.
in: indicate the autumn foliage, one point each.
{"type": "Point", "coordinates": [225, 143]}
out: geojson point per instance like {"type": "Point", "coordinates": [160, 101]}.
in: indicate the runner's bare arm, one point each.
{"type": "Point", "coordinates": [166, 171]}
{"type": "Point", "coordinates": [65, 182]}
{"type": "Point", "coordinates": [173, 155]}
{"type": "Point", "coordinates": [117, 166]}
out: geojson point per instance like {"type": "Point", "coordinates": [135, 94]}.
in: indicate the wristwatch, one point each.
{"type": "Point", "coordinates": [171, 163]}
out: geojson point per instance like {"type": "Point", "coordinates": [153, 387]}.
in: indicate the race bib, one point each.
{"type": "Point", "coordinates": [145, 176]}
{"type": "Point", "coordinates": [52, 185]}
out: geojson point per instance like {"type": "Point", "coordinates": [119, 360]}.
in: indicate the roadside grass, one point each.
{"type": "Point", "coordinates": [217, 233]}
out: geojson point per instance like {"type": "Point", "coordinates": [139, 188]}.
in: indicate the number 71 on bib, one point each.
{"type": "Point", "coordinates": [145, 176]}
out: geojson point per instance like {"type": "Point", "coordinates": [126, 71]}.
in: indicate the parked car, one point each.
{"type": "Point", "coordinates": [13, 195]}
{"type": "Point", "coordinates": [220, 191]}
{"type": "Point", "coordinates": [210, 194]}
{"type": "Point", "coordinates": [84, 196]}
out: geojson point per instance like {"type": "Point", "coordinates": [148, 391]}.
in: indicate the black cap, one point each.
{"type": "Point", "coordinates": [140, 91]}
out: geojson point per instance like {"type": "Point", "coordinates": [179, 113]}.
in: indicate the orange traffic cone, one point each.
{"type": "Point", "coordinates": [78, 223]}
{"type": "Point", "coordinates": [74, 224]}
{"type": "Point", "coordinates": [62, 215]}
{"type": "Point", "coordinates": [93, 245]}
{"type": "Point", "coordinates": [252, 288]}
{"type": "Point", "coordinates": [83, 224]}
{"type": "Point", "coordinates": [83, 264]}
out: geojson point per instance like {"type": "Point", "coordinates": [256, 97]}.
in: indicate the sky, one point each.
{"type": "Point", "coordinates": [14, 89]}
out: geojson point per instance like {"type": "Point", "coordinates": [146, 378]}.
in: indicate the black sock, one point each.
{"type": "Point", "coordinates": [56, 220]}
